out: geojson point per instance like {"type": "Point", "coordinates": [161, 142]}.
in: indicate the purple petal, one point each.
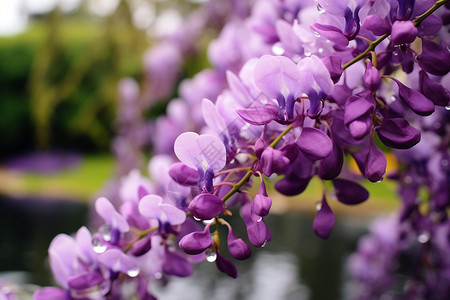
{"type": "Point", "coordinates": [375, 163]}
{"type": "Point", "coordinates": [372, 78]}
{"type": "Point", "coordinates": [403, 32]}
{"type": "Point", "coordinates": [259, 147]}
{"type": "Point", "coordinates": [434, 58]}
{"type": "Point", "coordinates": [51, 293]}
{"type": "Point", "coordinates": [258, 116]}
{"type": "Point", "coordinates": [257, 232]}
{"type": "Point", "coordinates": [324, 220]}
{"type": "Point", "coordinates": [205, 151]}
{"type": "Point", "coordinates": [142, 246]}
{"type": "Point", "coordinates": [332, 33]}
{"type": "Point", "coordinates": [225, 265]}
{"type": "Point", "coordinates": [397, 133]}
{"type": "Point", "coordinates": [184, 175]}
{"type": "Point", "coordinates": [334, 66]}
{"type": "Point", "coordinates": [85, 281]}
{"type": "Point", "coordinates": [107, 211]}
{"type": "Point", "coordinates": [273, 161]}
{"type": "Point", "coordinates": [349, 192]}
{"type": "Point", "coordinates": [433, 90]}
{"type": "Point", "coordinates": [356, 107]}
{"type": "Point", "coordinates": [291, 187]}
{"type": "Point", "coordinates": [314, 144]}
{"type": "Point", "coordinates": [152, 206]}
{"type": "Point", "coordinates": [62, 256]}
{"type": "Point", "coordinates": [117, 261]}
{"type": "Point", "coordinates": [314, 66]}
{"type": "Point", "coordinates": [176, 264]}
{"type": "Point", "coordinates": [196, 242]}
{"type": "Point", "coordinates": [277, 75]}
{"type": "Point", "coordinates": [420, 104]}
{"type": "Point", "coordinates": [377, 25]}
{"type": "Point", "coordinates": [330, 167]}
{"type": "Point", "coordinates": [262, 202]}
{"type": "Point", "coordinates": [206, 206]}
{"type": "Point", "coordinates": [212, 117]}
{"type": "Point", "coordinates": [237, 247]}
{"type": "Point", "coordinates": [431, 25]}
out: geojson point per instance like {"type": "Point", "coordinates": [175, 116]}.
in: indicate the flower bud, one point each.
{"type": "Point", "coordinates": [262, 202]}
{"type": "Point", "coordinates": [206, 206]}
{"type": "Point", "coordinates": [403, 32]}
{"type": "Point", "coordinates": [142, 246]}
{"type": "Point", "coordinates": [372, 77]}
{"type": "Point", "coordinates": [225, 265]}
{"type": "Point", "coordinates": [184, 175]}
{"type": "Point", "coordinates": [324, 221]}
{"type": "Point", "coordinates": [237, 247]}
{"type": "Point", "coordinates": [273, 161]}
{"type": "Point", "coordinates": [196, 242]}
{"type": "Point", "coordinates": [375, 163]}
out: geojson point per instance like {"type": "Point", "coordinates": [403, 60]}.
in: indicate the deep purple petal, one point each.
{"type": "Point", "coordinates": [375, 163]}
{"type": "Point", "coordinates": [324, 220]}
{"type": "Point", "coordinates": [397, 133]}
{"type": "Point", "coordinates": [330, 167]}
{"type": "Point", "coordinates": [206, 206]}
{"type": "Point", "coordinates": [273, 161]}
{"type": "Point", "coordinates": [237, 247]}
{"type": "Point", "coordinates": [334, 66]}
{"type": "Point", "coordinates": [142, 246]}
{"type": "Point", "coordinates": [184, 175]}
{"type": "Point", "coordinates": [262, 202]}
{"type": "Point", "coordinates": [291, 186]}
{"type": "Point", "coordinates": [332, 33]}
{"type": "Point", "coordinates": [403, 32]}
{"type": "Point", "coordinates": [434, 91]}
{"type": "Point", "coordinates": [196, 242]}
{"type": "Point", "coordinates": [434, 58]}
{"type": "Point", "coordinates": [377, 25]}
{"type": "Point", "coordinates": [420, 104]}
{"type": "Point", "coordinates": [176, 264]}
{"type": "Point", "coordinates": [349, 192]}
{"type": "Point", "coordinates": [227, 266]}
{"type": "Point", "coordinates": [314, 143]}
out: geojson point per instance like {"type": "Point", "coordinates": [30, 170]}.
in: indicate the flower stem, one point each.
{"type": "Point", "coordinates": [375, 43]}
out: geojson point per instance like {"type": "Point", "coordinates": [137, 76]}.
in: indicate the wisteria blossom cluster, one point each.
{"type": "Point", "coordinates": [296, 86]}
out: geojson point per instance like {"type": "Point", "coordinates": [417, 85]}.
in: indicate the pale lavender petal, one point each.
{"type": "Point", "coordinates": [212, 117]}
{"type": "Point", "coordinates": [62, 256]}
{"type": "Point", "coordinates": [332, 33]}
{"type": "Point", "coordinates": [188, 150]}
{"type": "Point", "coordinates": [149, 206]}
{"type": "Point", "coordinates": [314, 143]}
{"type": "Point", "coordinates": [172, 214]}
{"type": "Point", "coordinates": [324, 220]}
{"type": "Point", "coordinates": [51, 293]}
{"type": "Point", "coordinates": [213, 151]}
{"type": "Point", "coordinates": [107, 211]}
{"type": "Point", "coordinates": [277, 75]}
{"type": "Point", "coordinates": [320, 73]}
{"type": "Point", "coordinates": [117, 261]}
{"type": "Point", "coordinates": [83, 239]}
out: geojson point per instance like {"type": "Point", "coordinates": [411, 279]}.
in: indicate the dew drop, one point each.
{"type": "Point", "coordinates": [381, 180]}
{"type": "Point", "coordinates": [320, 8]}
{"type": "Point", "coordinates": [197, 219]}
{"type": "Point", "coordinates": [307, 53]}
{"type": "Point", "coordinates": [98, 246]}
{"type": "Point", "coordinates": [264, 244]}
{"type": "Point", "coordinates": [259, 220]}
{"type": "Point", "coordinates": [133, 272]}
{"type": "Point", "coordinates": [211, 256]}
{"type": "Point", "coordinates": [105, 231]}
{"type": "Point", "coordinates": [318, 205]}
{"type": "Point", "coordinates": [393, 98]}
{"type": "Point", "coordinates": [158, 275]}
{"type": "Point", "coordinates": [316, 33]}
{"type": "Point", "coordinates": [320, 50]}
{"type": "Point", "coordinates": [447, 107]}
{"type": "Point", "coordinates": [423, 237]}
{"type": "Point", "coordinates": [277, 49]}
{"type": "Point", "coordinates": [208, 221]}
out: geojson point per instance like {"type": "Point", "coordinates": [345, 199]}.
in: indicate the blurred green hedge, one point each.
{"type": "Point", "coordinates": [58, 82]}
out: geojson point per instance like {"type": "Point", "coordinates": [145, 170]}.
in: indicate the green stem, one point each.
{"type": "Point", "coordinates": [375, 43]}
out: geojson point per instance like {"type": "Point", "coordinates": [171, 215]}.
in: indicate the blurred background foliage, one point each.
{"type": "Point", "coordinates": [58, 79]}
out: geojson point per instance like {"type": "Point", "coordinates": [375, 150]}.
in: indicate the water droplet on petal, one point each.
{"type": "Point", "coordinates": [208, 221]}
{"type": "Point", "coordinates": [316, 33]}
{"type": "Point", "coordinates": [423, 237]}
{"type": "Point", "coordinates": [393, 98]}
{"type": "Point", "coordinates": [197, 219]}
{"type": "Point", "coordinates": [133, 272]}
{"type": "Point", "coordinates": [380, 180]}
{"type": "Point", "coordinates": [277, 49]}
{"type": "Point", "coordinates": [320, 50]}
{"type": "Point", "coordinates": [447, 107]}
{"type": "Point", "coordinates": [211, 256]}
{"type": "Point", "coordinates": [318, 205]}
{"type": "Point", "coordinates": [320, 8]}
{"type": "Point", "coordinates": [158, 275]}
{"type": "Point", "coordinates": [259, 220]}
{"type": "Point", "coordinates": [264, 244]}
{"type": "Point", "coordinates": [307, 53]}
{"type": "Point", "coordinates": [99, 247]}
{"type": "Point", "coordinates": [105, 231]}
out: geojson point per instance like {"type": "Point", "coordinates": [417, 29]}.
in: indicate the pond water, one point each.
{"type": "Point", "coordinates": [295, 265]}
